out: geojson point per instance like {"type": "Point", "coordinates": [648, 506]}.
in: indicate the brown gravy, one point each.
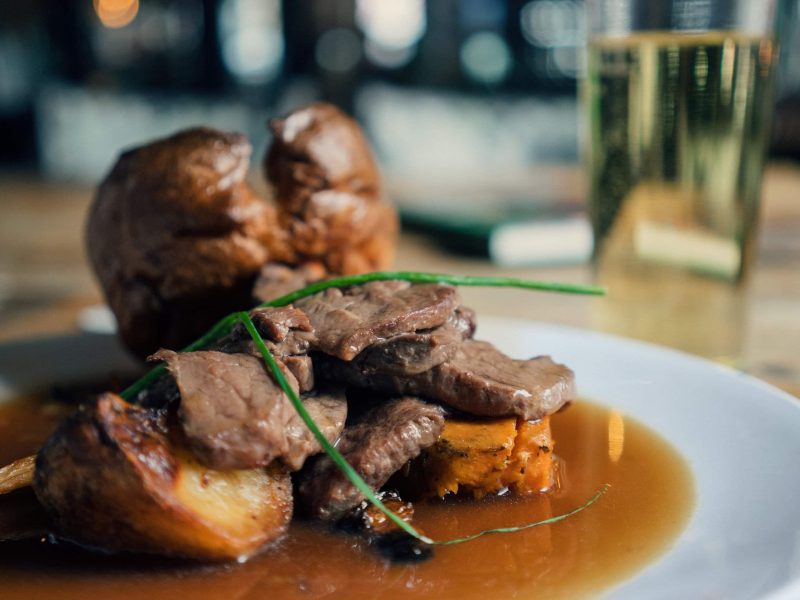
{"type": "Point", "coordinates": [648, 504]}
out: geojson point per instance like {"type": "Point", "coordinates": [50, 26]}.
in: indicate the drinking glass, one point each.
{"type": "Point", "coordinates": [678, 100]}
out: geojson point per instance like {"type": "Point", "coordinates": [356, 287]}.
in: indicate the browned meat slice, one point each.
{"type": "Point", "coordinates": [379, 444]}
{"type": "Point", "coordinates": [231, 410]}
{"type": "Point", "coordinates": [419, 351]}
{"type": "Point", "coordinates": [277, 280]}
{"type": "Point", "coordinates": [302, 369]}
{"type": "Point", "coordinates": [479, 380]}
{"type": "Point", "coordinates": [329, 411]}
{"type": "Point", "coordinates": [347, 321]}
{"type": "Point", "coordinates": [286, 331]}
{"type": "Point", "coordinates": [235, 416]}
{"type": "Point", "coordinates": [483, 381]}
{"type": "Point", "coordinates": [278, 322]}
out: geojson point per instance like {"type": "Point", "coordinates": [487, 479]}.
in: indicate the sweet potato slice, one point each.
{"type": "Point", "coordinates": [485, 456]}
{"type": "Point", "coordinates": [110, 477]}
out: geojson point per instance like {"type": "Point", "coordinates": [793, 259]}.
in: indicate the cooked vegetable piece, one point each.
{"type": "Point", "coordinates": [482, 457]}
{"type": "Point", "coordinates": [532, 468]}
{"type": "Point", "coordinates": [110, 477]}
{"type": "Point", "coordinates": [18, 474]}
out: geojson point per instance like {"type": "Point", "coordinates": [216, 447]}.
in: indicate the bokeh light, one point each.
{"type": "Point", "coordinates": [116, 13]}
{"type": "Point", "coordinates": [338, 50]}
{"type": "Point", "coordinates": [485, 57]}
{"type": "Point", "coordinates": [251, 39]}
{"type": "Point", "coordinates": [392, 29]}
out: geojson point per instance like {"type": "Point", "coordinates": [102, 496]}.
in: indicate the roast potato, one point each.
{"type": "Point", "coordinates": [111, 478]}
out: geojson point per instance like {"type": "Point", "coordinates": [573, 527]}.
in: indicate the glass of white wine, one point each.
{"type": "Point", "coordinates": [678, 99]}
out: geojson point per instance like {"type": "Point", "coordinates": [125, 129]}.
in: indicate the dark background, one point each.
{"type": "Point", "coordinates": [441, 86]}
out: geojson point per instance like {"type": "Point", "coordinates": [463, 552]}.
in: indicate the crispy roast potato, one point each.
{"type": "Point", "coordinates": [111, 478]}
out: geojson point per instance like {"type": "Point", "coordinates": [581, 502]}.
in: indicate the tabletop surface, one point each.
{"type": "Point", "coordinates": [46, 283]}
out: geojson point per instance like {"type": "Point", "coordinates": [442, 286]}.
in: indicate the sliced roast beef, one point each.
{"type": "Point", "coordinates": [231, 410]}
{"type": "Point", "coordinates": [302, 369]}
{"type": "Point", "coordinates": [235, 416]}
{"type": "Point", "coordinates": [329, 411]}
{"type": "Point", "coordinates": [376, 446]}
{"type": "Point", "coordinates": [277, 323]}
{"type": "Point", "coordinates": [285, 329]}
{"type": "Point", "coordinates": [419, 351]}
{"type": "Point", "coordinates": [479, 380]}
{"type": "Point", "coordinates": [483, 381]}
{"type": "Point", "coordinates": [347, 321]}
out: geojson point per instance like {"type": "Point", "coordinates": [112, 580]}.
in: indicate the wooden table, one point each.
{"type": "Point", "coordinates": [45, 281]}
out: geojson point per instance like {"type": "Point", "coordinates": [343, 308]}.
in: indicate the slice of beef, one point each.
{"type": "Point", "coordinates": [419, 351]}
{"type": "Point", "coordinates": [376, 446]}
{"type": "Point", "coordinates": [285, 329]}
{"type": "Point", "coordinates": [277, 280]}
{"type": "Point", "coordinates": [232, 412]}
{"type": "Point", "coordinates": [235, 416]}
{"type": "Point", "coordinates": [347, 321]}
{"type": "Point", "coordinates": [302, 369]}
{"type": "Point", "coordinates": [483, 381]}
{"type": "Point", "coordinates": [277, 323]}
{"type": "Point", "coordinates": [329, 411]}
{"type": "Point", "coordinates": [288, 335]}
{"type": "Point", "coordinates": [478, 380]}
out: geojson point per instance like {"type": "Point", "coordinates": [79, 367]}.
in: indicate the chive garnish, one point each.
{"type": "Point", "coordinates": [224, 326]}
{"type": "Point", "coordinates": [353, 475]}
{"type": "Point", "coordinates": [335, 455]}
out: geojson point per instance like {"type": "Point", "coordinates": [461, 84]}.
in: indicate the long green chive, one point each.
{"type": "Point", "coordinates": [516, 528]}
{"type": "Point", "coordinates": [335, 455]}
{"type": "Point", "coordinates": [353, 475]}
{"type": "Point", "coordinates": [224, 326]}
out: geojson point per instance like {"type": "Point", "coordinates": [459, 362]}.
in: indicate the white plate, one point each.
{"type": "Point", "coordinates": [740, 436]}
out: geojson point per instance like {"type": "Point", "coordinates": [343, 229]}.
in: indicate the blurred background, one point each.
{"type": "Point", "coordinates": [441, 86]}
{"type": "Point", "coordinates": [472, 107]}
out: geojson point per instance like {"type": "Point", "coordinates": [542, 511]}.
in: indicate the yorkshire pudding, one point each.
{"type": "Point", "coordinates": [329, 192]}
{"type": "Point", "coordinates": [176, 236]}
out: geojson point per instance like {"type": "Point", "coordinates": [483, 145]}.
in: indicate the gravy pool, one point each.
{"type": "Point", "coordinates": [648, 504]}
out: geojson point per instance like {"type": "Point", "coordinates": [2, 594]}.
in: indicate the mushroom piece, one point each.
{"type": "Point", "coordinates": [111, 477]}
